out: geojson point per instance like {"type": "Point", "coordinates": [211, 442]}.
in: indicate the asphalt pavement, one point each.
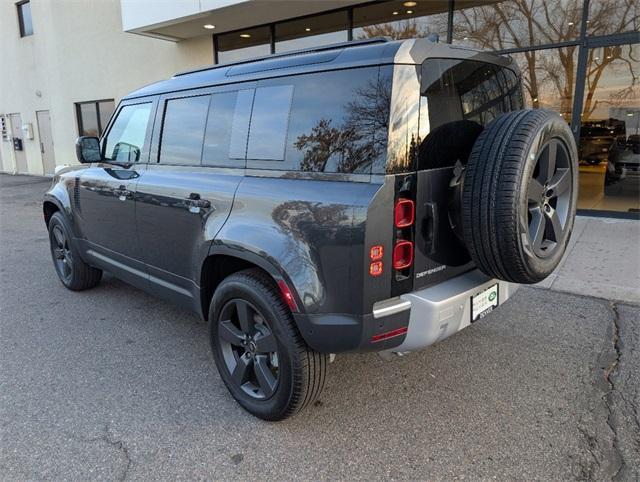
{"type": "Point", "coordinates": [112, 383]}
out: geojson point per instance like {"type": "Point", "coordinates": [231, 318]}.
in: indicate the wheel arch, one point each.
{"type": "Point", "coordinates": [223, 262]}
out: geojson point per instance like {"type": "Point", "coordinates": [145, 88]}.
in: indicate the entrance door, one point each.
{"type": "Point", "coordinates": [16, 133]}
{"type": "Point", "coordinates": [46, 141]}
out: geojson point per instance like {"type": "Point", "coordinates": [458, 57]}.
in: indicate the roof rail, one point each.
{"type": "Point", "coordinates": [340, 45]}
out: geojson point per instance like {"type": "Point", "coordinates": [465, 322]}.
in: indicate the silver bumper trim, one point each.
{"type": "Point", "coordinates": [390, 307]}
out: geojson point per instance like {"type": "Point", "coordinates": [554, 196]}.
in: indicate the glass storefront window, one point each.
{"type": "Point", "coordinates": [613, 16]}
{"type": "Point", "coordinates": [245, 44]}
{"type": "Point", "coordinates": [515, 23]}
{"type": "Point", "coordinates": [400, 19]}
{"type": "Point", "coordinates": [548, 78]}
{"type": "Point", "coordinates": [610, 130]}
{"type": "Point", "coordinates": [312, 31]}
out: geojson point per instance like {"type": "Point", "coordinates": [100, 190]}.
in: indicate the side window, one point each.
{"type": "Point", "coordinates": [125, 140]}
{"type": "Point", "coordinates": [269, 123]}
{"type": "Point", "coordinates": [343, 132]}
{"type": "Point", "coordinates": [183, 130]}
{"type": "Point", "coordinates": [225, 139]}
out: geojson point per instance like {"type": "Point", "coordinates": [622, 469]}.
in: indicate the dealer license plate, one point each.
{"type": "Point", "coordinates": [484, 302]}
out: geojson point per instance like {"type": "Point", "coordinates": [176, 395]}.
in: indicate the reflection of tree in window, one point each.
{"type": "Point", "coordinates": [355, 143]}
{"type": "Point", "coordinates": [404, 29]}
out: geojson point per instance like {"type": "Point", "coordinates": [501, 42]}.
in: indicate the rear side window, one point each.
{"type": "Point", "coordinates": [322, 122]}
{"type": "Point", "coordinates": [269, 123]}
{"type": "Point", "coordinates": [225, 140]}
{"type": "Point", "coordinates": [183, 130]}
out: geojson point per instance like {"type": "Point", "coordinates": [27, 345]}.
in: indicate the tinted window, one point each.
{"type": "Point", "coordinates": [339, 121]}
{"type": "Point", "coordinates": [24, 18]}
{"type": "Point", "coordinates": [240, 124]}
{"type": "Point", "coordinates": [269, 121]}
{"type": "Point", "coordinates": [125, 140]}
{"type": "Point", "coordinates": [183, 130]}
{"type": "Point", "coordinates": [454, 90]}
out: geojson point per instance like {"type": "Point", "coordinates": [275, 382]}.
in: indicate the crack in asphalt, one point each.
{"type": "Point", "coordinates": [608, 398]}
{"type": "Point", "coordinates": [119, 445]}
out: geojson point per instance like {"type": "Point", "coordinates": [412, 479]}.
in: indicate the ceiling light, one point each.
{"type": "Point", "coordinates": [410, 4]}
{"type": "Point", "coordinates": [596, 58]}
{"type": "Point", "coordinates": [409, 11]}
{"type": "Point", "coordinates": [209, 26]}
{"type": "Point", "coordinates": [245, 35]}
{"type": "Point", "coordinates": [307, 29]}
{"type": "Point", "coordinates": [609, 56]}
{"type": "Point", "coordinates": [570, 24]}
{"type": "Point", "coordinates": [395, 13]}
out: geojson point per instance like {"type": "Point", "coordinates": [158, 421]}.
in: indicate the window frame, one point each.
{"type": "Point", "coordinates": [21, 25]}
{"type": "Point", "coordinates": [146, 146]}
{"type": "Point", "coordinates": [101, 128]}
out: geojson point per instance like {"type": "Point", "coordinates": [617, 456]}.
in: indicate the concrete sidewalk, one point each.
{"type": "Point", "coordinates": [602, 260]}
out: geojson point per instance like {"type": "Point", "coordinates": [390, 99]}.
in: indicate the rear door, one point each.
{"type": "Point", "coordinates": [184, 198]}
{"type": "Point", "coordinates": [458, 98]}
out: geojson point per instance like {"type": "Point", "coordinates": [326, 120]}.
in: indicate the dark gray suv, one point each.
{"type": "Point", "coordinates": [365, 196]}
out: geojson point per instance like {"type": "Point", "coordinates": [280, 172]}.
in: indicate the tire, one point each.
{"type": "Point", "coordinates": [72, 271]}
{"type": "Point", "coordinates": [267, 386]}
{"type": "Point", "coordinates": [519, 200]}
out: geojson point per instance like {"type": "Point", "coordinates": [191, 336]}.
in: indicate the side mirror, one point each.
{"type": "Point", "coordinates": [88, 149]}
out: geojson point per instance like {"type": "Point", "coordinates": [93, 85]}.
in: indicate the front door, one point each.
{"type": "Point", "coordinates": [106, 194]}
{"type": "Point", "coordinates": [18, 143]}
{"type": "Point", "coordinates": [46, 141]}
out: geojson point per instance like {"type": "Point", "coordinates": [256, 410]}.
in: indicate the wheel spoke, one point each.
{"type": "Point", "coordinates": [245, 316]}
{"type": "Point", "coordinates": [548, 161]}
{"type": "Point", "coordinates": [59, 237]}
{"type": "Point", "coordinates": [266, 343]}
{"type": "Point", "coordinates": [241, 371]}
{"type": "Point", "coordinates": [535, 190]}
{"type": "Point", "coordinates": [229, 333]}
{"type": "Point", "coordinates": [556, 225]}
{"type": "Point", "coordinates": [560, 182]}
{"type": "Point", "coordinates": [58, 253]}
{"type": "Point", "coordinates": [265, 378]}
{"type": "Point", "coordinates": [536, 229]}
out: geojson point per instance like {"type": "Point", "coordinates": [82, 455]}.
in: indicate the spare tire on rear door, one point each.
{"type": "Point", "coordinates": [519, 195]}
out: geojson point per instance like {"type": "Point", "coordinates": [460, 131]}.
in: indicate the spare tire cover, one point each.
{"type": "Point", "coordinates": [519, 195]}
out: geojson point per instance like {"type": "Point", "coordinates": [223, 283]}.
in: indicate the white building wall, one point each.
{"type": "Point", "coordinates": [78, 53]}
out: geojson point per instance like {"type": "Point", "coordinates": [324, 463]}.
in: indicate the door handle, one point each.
{"type": "Point", "coordinates": [195, 202]}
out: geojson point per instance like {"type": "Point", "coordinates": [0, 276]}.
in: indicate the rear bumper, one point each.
{"type": "Point", "coordinates": [415, 320]}
{"type": "Point", "coordinates": [438, 312]}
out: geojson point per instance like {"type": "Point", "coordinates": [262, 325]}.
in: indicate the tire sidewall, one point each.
{"type": "Point", "coordinates": [236, 287]}
{"type": "Point", "coordinates": [58, 220]}
{"type": "Point", "coordinates": [554, 127]}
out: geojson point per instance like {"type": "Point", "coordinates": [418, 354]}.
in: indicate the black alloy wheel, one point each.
{"type": "Point", "coordinates": [548, 196]}
{"type": "Point", "coordinates": [61, 252]}
{"type": "Point", "coordinates": [249, 348]}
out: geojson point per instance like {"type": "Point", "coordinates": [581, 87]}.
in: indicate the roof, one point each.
{"type": "Point", "coordinates": [362, 53]}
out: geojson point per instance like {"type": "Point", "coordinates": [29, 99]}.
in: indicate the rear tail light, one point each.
{"type": "Point", "coordinates": [402, 255]}
{"type": "Point", "coordinates": [375, 268]}
{"type": "Point", "coordinates": [405, 213]}
{"type": "Point", "coordinates": [376, 252]}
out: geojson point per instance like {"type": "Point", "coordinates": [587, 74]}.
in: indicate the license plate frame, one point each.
{"type": "Point", "coordinates": [483, 302]}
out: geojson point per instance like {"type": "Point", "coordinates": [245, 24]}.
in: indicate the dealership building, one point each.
{"type": "Point", "coordinates": [67, 63]}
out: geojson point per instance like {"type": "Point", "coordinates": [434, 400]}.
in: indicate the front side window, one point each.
{"type": "Point", "coordinates": [24, 18]}
{"type": "Point", "coordinates": [183, 130]}
{"type": "Point", "coordinates": [125, 140]}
